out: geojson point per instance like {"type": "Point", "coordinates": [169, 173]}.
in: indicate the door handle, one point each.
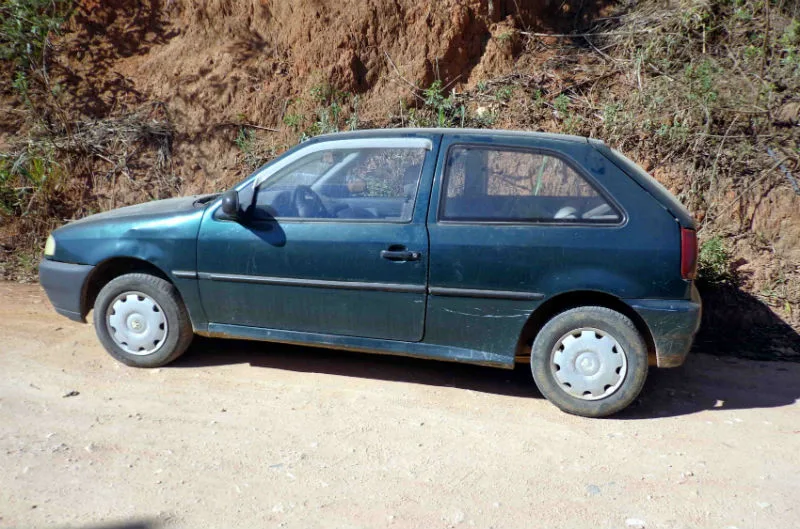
{"type": "Point", "coordinates": [400, 255]}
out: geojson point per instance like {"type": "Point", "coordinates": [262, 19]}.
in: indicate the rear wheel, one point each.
{"type": "Point", "coordinates": [589, 361]}
{"type": "Point", "coordinates": [141, 320]}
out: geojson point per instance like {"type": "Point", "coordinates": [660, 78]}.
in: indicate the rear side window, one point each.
{"type": "Point", "coordinates": [511, 185]}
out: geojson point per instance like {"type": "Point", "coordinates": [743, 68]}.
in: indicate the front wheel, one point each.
{"type": "Point", "coordinates": [589, 361]}
{"type": "Point", "coordinates": [141, 320]}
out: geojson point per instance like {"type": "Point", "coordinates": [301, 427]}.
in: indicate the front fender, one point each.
{"type": "Point", "coordinates": [168, 244]}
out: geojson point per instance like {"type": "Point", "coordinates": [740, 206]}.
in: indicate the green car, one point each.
{"type": "Point", "coordinates": [480, 246]}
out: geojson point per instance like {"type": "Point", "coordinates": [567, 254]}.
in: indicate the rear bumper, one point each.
{"type": "Point", "coordinates": [63, 283]}
{"type": "Point", "coordinates": [673, 324]}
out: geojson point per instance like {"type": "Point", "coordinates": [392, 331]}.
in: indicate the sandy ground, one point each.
{"type": "Point", "coordinates": [240, 434]}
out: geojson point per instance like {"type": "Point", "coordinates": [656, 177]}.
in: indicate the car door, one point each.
{"type": "Point", "coordinates": [333, 242]}
{"type": "Point", "coordinates": [510, 217]}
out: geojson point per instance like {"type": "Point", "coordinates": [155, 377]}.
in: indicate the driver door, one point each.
{"type": "Point", "coordinates": [334, 242]}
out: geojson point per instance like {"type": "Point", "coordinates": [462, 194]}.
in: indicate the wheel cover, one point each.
{"type": "Point", "coordinates": [136, 323]}
{"type": "Point", "coordinates": [588, 364]}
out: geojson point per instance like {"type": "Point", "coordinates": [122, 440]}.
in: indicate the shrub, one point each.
{"type": "Point", "coordinates": [714, 261]}
{"type": "Point", "coordinates": [25, 30]}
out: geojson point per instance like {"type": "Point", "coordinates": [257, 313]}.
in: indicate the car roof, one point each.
{"type": "Point", "coordinates": [384, 133]}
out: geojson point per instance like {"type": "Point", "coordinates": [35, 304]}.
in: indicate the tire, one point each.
{"type": "Point", "coordinates": [578, 369]}
{"type": "Point", "coordinates": [154, 326]}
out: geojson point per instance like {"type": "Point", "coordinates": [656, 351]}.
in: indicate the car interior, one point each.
{"type": "Point", "coordinates": [342, 189]}
{"type": "Point", "coordinates": [351, 185]}
{"type": "Point", "coordinates": [507, 186]}
{"type": "Point", "coordinates": [529, 208]}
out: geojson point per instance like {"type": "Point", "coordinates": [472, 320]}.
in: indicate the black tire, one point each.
{"type": "Point", "coordinates": [179, 331]}
{"type": "Point", "coordinates": [612, 323]}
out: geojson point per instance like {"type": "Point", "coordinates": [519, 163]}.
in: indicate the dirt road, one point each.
{"type": "Point", "coordinates": [256, 435]}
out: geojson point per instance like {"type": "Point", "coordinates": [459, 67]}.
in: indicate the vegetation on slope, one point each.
{"type": "Point", "coordinates": [705, 94]}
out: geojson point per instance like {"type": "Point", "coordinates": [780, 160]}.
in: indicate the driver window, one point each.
{"type": "Point", "coordinates": [346, 184]}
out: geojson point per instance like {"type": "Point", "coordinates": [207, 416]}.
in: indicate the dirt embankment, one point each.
{"type": "Point", "coordinates": [220, 62]}
{"type": "Point", "coordinates": [240, 81]}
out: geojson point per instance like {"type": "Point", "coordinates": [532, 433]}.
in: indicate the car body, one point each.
{"type": "Point", "coordinates": [450, 244]}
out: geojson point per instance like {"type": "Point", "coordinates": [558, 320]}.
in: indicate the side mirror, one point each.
{"type": "Point", "coordinates": [230, 204]}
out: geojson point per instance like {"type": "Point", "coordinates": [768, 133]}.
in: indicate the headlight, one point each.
{"type": "Point", "coordinates": [50, 246]}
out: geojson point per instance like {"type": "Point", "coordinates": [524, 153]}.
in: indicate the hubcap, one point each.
{"type": "Point", "coordinates": [588, 364]}
{"type": "Point", "coordinates": [136, 323]}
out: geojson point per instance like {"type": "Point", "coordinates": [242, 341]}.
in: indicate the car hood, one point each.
{"type": "Point", "coordinates": [163, 233]}
{"type": "Point", "coordinates": [149, 210]}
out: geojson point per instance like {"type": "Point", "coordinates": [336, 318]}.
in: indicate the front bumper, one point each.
{"type": "Point", "coordinates": [673, 324]}
{"type": "Point", "coordinates": [63, 283]}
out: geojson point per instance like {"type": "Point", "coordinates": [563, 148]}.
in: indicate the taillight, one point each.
{"type": "Point", "coordinates": [688, 253]}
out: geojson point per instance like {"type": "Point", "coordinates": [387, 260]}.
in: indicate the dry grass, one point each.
{"type": "Point", "coordinates": [63, 171]}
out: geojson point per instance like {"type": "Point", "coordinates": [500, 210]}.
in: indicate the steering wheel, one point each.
{"type": "Point", "coordinates": [308, 204]}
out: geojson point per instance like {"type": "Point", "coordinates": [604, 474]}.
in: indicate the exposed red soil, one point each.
{"type": "Point", "coordinates": [217, 63]}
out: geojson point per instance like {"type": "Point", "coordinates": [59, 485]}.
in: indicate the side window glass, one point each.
{"type": "Point", "coordinates": [348, 184]}
{"type": "Point", "coordinates": [494, 184]}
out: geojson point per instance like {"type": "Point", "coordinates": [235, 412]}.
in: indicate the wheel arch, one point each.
{"type": "Point", "coordinates": [574, 299]}
{"type": "Point", "coordinates": [112, 268]}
